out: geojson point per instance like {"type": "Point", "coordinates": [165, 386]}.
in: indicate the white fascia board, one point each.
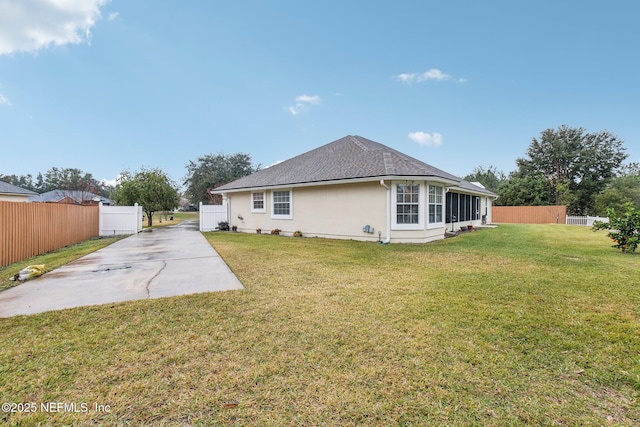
{"type": "Point", "coordinates": [375, 179]}
{"type": "Point", "coordinates": [468, 191]}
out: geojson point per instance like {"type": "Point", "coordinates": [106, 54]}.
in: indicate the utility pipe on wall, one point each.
{"type": "Point", "coordinates": [388, 203]}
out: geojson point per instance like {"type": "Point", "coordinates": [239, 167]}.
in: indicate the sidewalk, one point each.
{"type": "Point", "coordinates": [165, 262]}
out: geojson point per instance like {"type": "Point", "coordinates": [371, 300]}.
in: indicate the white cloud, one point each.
{"type": "Point", "coordinates": [113, 15]}
{"type": "Point", "coordinates": [432, 74]}
{"type": "Point", "coordinates": [406, 78]}
{"type": "Point", "coordinates": [302, 104]}
{"type": "Point", "coordinates": [31, 25]}
{"type": "Point", "coordinates": [4, 101]}
{"type": "Point", "coordinates": [296, 110]}
{"type": "Point", "coordinates": [309, 99]}
{"type": "Point", "coordinates": [111, 182]}
{"type": "Point", "coordinates": [427, 139]}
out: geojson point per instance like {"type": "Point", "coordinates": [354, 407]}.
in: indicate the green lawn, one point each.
{"type": "Point", "coordinates": [164, 219]}
{"type": "Point", "coordinates": [519, 325]}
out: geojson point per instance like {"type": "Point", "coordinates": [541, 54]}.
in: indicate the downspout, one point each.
{"type": "Point", "coordinates": [225, 201]}
{"type": "Point", "coordinates": [388, 203]}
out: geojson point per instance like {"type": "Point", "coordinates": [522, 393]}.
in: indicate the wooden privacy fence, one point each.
{"type": "Point", "coordinates": [29, 229]}
{"type": "Point", "coordinates": [529, 214]}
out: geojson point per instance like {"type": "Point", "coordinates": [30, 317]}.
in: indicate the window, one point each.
{"type": "Point", "coordinates": [407, 204]}
{"type": "Point", "coordinates": [257, 203]}
{"type": "Point", "coordinates": [435, 204]}
{"type": "Point", "coordinates": [281, 204]}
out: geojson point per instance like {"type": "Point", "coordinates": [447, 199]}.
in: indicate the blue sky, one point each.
{"type": "Point", "coordinates": [105, 86]}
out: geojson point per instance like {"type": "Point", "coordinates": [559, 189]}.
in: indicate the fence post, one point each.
{"type": "Point", "coordinates": [200, 216]}
{"type": "Point", "coordinates": [100, 219]}
{"type": "Point", "coordinates": [139, 220]}
{"type": "Point", "coordinates": [227, 208]}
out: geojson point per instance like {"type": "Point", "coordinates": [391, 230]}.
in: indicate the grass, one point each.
{"type": "Point", "coordinates": [162, 220]}
{"type": "Point", "coordinates": [520, 325]}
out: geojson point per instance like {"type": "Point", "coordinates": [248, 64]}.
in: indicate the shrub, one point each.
{"type": "Point", "coordinates": [276, 231]}
{"type": "Point", "coordinates": [624, 230]}
{"type": "Point", "coordinates": [297, 233]}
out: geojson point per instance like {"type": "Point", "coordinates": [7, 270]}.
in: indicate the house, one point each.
{"type": "Point", "coordinates": [72, 197]}
{"type": "Point", "coordinates": [355, 188]}
{"type": "Point", "coordinates": [13, 193]}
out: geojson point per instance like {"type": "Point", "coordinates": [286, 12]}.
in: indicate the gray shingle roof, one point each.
{"type": "Point", "coordinates": [351, 157]}
{"type": "Point", "coordinates": [54, 196]}
{"type": "Point", "coordinates": [468, 186]}
{"type": "Point", "coordinates": [6, 188]}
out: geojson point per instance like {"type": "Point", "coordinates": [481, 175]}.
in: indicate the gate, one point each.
{"type": "Point", "coordinates": [116, 220]}
{"type": "Point", "coordinates": [211, 215]}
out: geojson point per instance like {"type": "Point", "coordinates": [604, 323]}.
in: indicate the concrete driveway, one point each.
{"type": "Point", "coordinates": [165, 262]}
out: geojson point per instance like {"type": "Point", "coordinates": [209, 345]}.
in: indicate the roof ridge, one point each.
{"type": "Point", "coordinates": [350, 157]}
{"type": "Point", "coordinates": [359, 143]}
{"type": "Point", "coordinates": [389, 167]}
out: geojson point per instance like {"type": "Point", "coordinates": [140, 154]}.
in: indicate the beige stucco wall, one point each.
{"type": "Point", "coordinates": [489, 204]}
{"type": "Point", "coordinates": [335, 211]}
{"type": "Point", "coordinates": [340, 211]}
{"type": "Point", "coordinates": [13, 198]}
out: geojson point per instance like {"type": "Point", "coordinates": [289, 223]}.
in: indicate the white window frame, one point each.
{"type": "Point", "coordinates": [273, 202]}
{"type": "Point", "coordinates": [442, 205]}
{"type": "Point", "coordinates": [421, 204]}
{"type": "Point", "coordinates": [264, 202]}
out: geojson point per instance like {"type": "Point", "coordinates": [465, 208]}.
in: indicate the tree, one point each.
{"type": "Point", "coordinates": [59, 179]}
{"type": "Point", "coordinates": [525, 190]}
{"type": "Point", "coordinates": [150, 188]}
{"type": "Point", "coordinates": [491, 177]}
{"type": "Point", "coordinates": [578, 165]}
{"type": "Point", "coordinates": [211, 171]}
{"type": "Point", "coordinates": [624, 230]}
{"type": "Point", "coordinates": [22, 181]}
{"type": "Point", "coordinates": [68, 179]}
{"type": "Point", "coordinates": [622, 189]}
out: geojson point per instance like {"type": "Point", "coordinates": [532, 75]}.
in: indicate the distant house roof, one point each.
{"type": "Point", "coordinates": [6, 188]}
{"type": "Point", "coordinates": [66, 196]}
{"type": "Point", "coordinates": [350, 158]}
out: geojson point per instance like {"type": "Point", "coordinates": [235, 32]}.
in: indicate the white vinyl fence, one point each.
{"type": "Point", "coordinates": [585, 220]}
{"type": "Point", "coordinates": [211, 215]}
{"type": "Point", "coordinates": [116, 220]}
